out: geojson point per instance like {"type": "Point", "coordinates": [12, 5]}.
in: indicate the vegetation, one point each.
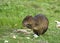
{"type": "Point", "coordinates": [12, 12]}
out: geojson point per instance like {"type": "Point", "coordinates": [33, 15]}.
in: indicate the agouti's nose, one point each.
{"type": "Point", "coordinates": [29, 26]}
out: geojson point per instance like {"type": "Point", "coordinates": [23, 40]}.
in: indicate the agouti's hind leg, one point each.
{"type": "Point", "coordinates": [44, 31]}
{"type": "Point", "coordinates": [36, 32]}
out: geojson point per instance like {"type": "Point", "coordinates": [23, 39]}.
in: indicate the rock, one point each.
{"type": "Point", "coordinates": [58, 24]}
{"type": "Point", "coordinates": [35, 35]}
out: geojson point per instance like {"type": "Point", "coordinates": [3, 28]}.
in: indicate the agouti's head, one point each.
{"type": "Point", "coordinates": [28, 22]}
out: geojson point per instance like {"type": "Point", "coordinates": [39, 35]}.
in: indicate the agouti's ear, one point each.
{"type": "Point", "coordinates": [28, 16]}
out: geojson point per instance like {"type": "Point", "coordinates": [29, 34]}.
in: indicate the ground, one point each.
{"type": "Point", "coordinates": [12, 12]}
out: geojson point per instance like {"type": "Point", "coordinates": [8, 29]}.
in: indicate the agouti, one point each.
{"type": "Point", "coordinates": [38, 23]}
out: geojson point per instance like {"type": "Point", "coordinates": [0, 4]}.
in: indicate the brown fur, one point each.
{"type": "Point", "coordinates": [39, 23]}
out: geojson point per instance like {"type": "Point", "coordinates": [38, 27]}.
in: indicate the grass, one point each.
{"type": "Point", "coordinates": [12, 12]}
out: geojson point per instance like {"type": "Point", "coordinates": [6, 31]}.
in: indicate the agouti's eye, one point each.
{"type": "Point", "coordinates": [29, 26]}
